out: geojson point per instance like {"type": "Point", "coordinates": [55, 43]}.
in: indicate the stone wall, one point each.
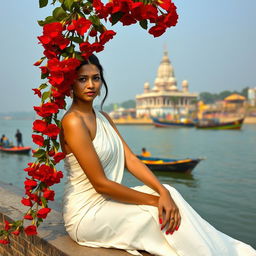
{"type": "Point", "coordinates": [52, 239]}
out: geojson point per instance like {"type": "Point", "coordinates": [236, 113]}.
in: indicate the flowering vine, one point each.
{"type": "Point", "coordinates": [73, 32]}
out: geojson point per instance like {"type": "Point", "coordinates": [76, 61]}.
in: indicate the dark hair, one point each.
{"type": "Point", "coordinates": [95, 61]}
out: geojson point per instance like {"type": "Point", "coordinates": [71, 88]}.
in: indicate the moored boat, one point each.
{"type": "Point", "coordinates": [16, 150]}
{"type": "Point", "coordinates": [170, 165]}
{"type": "Point", "coordinates": [219, 125]}
{"type": "Point", "coordinates": [160, 122]}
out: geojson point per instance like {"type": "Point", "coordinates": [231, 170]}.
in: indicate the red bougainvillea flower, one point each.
{"type": "Point", "coordinates": [30, 230]}
{"type": "Point", "coordinates": [53, 29]}
{"type": "Point", "coordinates": [82, 25]}
{"type": "Point", "coordinates": [38, 139]}
{"type": "Point", "coordinates": [28, 217]}
{"type": "Point", "coordinates": [93, 33]}
{"type": "Point", "coordinates": [26, 202]}
{"type": "Point", "coordinates": [121, 6]}
{"type": "Point", "coordinates": [97, 47]}
{"type": "Point", "coordinates": [52, 130]}
{"type": "Point", "coordinates": [37, 92]}
{"type": "Point", "coordinates": [58, 157]}
{"type": "Point", "coordinates": [56, 78]}
{"type": "Point", "coordinates": [16, 232]}
{"type": "Point", "coordinates": [60, 102]}
{"type": "Point", "coordinates": [6, 225]}
{"type": "Point", "coordinates": [127, 20]}
{"type": "Point", "coordinates": [49, 194]}
{"type": "Point", "coordinates": [38, 63]}
{"type": "Point", "coordinates": [44, 70]}
{"type": "Point", "coordinates": [39, 125]}
{"type": "Point", "coordinates": [46, 109]}
{"type": "Point", "coordinates": [30, 184]}
{"type": "Point", "coordinates": [4, 241]}
{"type": "Point", "coordinates": [42, 213]}
{"type": "Point", "coordinates": [106, 36]}
{"type": "Point", "coordinates": [102, 10]}
{"type": "Point", "coordinates": [157, 30]}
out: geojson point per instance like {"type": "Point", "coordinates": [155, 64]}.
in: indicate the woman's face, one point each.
{"type": "Point", "coordinates": [88, 83]}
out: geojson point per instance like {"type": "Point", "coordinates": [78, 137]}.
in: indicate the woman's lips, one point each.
{"type": "Point", "coordinates": [90, 93]}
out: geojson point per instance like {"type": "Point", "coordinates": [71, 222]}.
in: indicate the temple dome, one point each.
{"type": "Point", "coordinates": [165, 69]}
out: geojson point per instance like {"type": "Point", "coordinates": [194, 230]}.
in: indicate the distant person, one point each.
{"type": "Point", "coordinates": [5, 141]}
{"type": "Point", "coordinates": [18, 136]}
{"type": "Point", "coordinates": [145, 153]}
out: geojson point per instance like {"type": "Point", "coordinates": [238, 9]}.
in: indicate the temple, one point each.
{"type": "Point", "coordinates": [165, 98]}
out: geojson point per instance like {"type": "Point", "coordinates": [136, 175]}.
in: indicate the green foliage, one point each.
{"type": "Point", "coordinates": [128, 104]}
{"type": "Point", "coordinates": [144, 24]}
{"type": "Point", "coordinates": [116, 17]}
{"type": "Point", "coordinates": [59, 13]}
{"type": "Point", "coordinates": [210, 98]}
{"type": "Point", "coordinates": [43, 3]}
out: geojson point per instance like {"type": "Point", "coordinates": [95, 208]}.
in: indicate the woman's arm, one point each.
{"type": "Point", "coordinates": [166, 206]}
{"type": "Point", "coordinates": [78, 138]}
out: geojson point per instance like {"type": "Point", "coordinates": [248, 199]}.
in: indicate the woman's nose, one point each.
{"type": "Point", "coordinates": [89, 83]}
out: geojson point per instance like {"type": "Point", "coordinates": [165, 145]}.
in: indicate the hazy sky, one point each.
{"type": "Point", "coordinates": [213, 47]}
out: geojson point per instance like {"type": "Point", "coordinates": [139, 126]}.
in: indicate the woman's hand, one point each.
{"type": "Point", "coordinates": [169, 215]}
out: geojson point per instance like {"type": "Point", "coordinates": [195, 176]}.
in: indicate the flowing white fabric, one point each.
{"type": "Point", "coordinates": [94, 220]}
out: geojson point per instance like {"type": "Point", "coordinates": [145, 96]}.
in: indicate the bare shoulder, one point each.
{"type": "Point", "coordinates": [72, 120]}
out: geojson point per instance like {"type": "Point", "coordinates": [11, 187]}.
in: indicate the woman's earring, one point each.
{"type": "Point", "coordinates": [71, 94]}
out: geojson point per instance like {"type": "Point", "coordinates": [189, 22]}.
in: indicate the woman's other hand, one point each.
{"type": "Point", "coordinates": [169, 215]}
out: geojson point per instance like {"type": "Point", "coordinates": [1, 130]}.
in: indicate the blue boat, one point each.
{"type": "Point", "coordinates": [170, 165]}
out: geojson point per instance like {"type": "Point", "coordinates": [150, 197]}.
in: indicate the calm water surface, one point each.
{"type": "Point", "coordinates": [221, 188]}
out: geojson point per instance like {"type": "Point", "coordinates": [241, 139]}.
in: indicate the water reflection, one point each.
{"type": "Point", "coordinates": [177, 178]}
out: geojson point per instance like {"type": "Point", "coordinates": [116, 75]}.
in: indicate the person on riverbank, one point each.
{"type": "Point", "coordinates": [18, 136]}
{"type": "Point", "coordinates": [99, 211]}
{"type": "Point", "coordinates": [145, 153]}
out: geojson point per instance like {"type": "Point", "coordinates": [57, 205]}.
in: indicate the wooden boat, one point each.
{"type": "Point", "coordinates": [16, 150]}
{"type": "Point", "coordinates": [170, 165]}
{"type": "Point", "coordinates": [217, 125]}
{"type": "Point", "coordinates": [160, 122]}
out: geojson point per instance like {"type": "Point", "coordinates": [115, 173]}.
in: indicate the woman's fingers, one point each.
{"type": "Point", "coordinates": [160, 214]}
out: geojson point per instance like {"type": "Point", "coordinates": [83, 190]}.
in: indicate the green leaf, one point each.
{"type": "Point", "coordinates": [56, 144]}
{"type": "Point", "coordinates": [68, 4]}
{"type": "Point", "coordinates": [47, 20]}
{"type": "Point", "coordinates": [59, 13]}
{"type": "Point", "coordinates": [46, 95]}
{"type": "Point", "coordinates": [95, 20]}
{"type": "Point", "coordinates": [70, 49]}
{"type": "Point", "coordinates": [78, 56]}
{"type": "Point", "coordinates": [43, 76]}
{"type": "Point", "coordinates": [39, 153]}
{"type": "Point", "coordinates": [57, 122]}
{"type": "Point", "coordinates": [43, 3]}
{"type": "Point", "coordinates": [76, 39]}
{"type": "Point", "coordinates": [43, 86]}
{"type": "Point", "coordinates": [144, 24]}
{"type": "Point", "coordinates": [116, 17]}
{"type": "Point", "coordinates": [44, 201]}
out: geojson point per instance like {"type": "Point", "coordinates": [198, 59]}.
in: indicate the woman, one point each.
{"type": "Point", "coordinates": [100, 212]}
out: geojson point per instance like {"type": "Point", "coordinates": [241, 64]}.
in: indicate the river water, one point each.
{"type": "Point", "coordinates": [221, 188]}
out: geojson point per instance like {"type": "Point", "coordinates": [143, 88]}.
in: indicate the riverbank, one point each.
{"type": "Point", "coordinates": [146, 121]}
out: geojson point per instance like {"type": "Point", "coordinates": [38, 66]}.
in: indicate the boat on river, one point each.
{"type": "Point", "coordinates": [161, 122]}
{"type": "Point", "coordinates": [170, 165]}
{"type": "Point", "coordinates": [15, 150]}
{"type": "Point", "coordinates": [219, 125]}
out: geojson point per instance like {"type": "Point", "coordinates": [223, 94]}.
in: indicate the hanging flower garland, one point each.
{"type": "Point", "coordinates": [75, 24]}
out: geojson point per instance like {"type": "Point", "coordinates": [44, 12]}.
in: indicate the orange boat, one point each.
{"type": "Point", "coordinates": [16, 150]}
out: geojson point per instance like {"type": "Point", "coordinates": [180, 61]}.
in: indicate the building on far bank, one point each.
{"type": "Point", "coordinates": [165, 98]}
{"type": "Point", "coordinates": [252, 96]}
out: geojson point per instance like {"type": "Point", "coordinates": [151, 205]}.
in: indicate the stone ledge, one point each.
{"type": "Point", "coordinates": [52, 238]}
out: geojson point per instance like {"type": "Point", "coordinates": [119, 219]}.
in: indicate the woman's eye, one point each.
{"type": "Point", "coordinates": [82, 79]}
{"type": "Point", "coordinates": [96, 78]}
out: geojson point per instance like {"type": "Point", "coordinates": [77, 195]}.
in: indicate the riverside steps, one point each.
{"type": "Point", "coordinates": [51, 240]}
